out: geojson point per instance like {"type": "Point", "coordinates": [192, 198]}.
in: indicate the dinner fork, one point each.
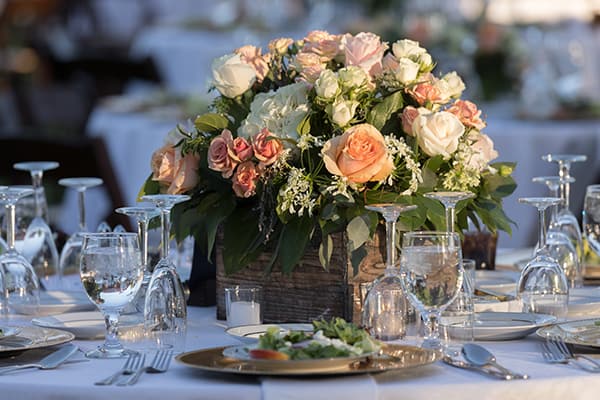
{"type": "Point", "coordinates": [160, 363]}
{"type": "Point", "coordinates": [556, 351]}
{"type": "Point", "coordinates": [134, 361]}
{"type": "Point", "coordinates": [566, 350]}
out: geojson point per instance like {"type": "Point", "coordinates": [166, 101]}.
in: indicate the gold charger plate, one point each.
{"type": "Point", "coordinates": [32, 337]}
{"type": "Point", "coordinates": [394, 357]}
{"type": "Point", "coordinates": [584, 332]}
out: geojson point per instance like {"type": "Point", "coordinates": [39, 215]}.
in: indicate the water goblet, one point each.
{"type": "Point", "coordinates": [38, 244]}
{"type": "Point", "coordinates": [432, 276]}
{"type": "Point", "coordinates": [543, 286]}
{"type": "Point", "coordinates": [385, 310]}
{"type": "Point", "coordinates": [591, 217]}
{"type": "Point", "coordinates": [165, 312]}
{"type": "Point", "coordinates": [21, 284]}
{"type": "Point", "coordinates": [111, 272]}
{"type": "Point", "coordinates": [143, 215]}
{"type": "Point", "coordinates": [71, 251]}
{"type": "Point", "coordinates": [449, 200]}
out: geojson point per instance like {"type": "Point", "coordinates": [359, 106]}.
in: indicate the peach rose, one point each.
{"type": "Point", "coordinates": [359, 154]}
{"type": "Point", "coordinates": [425, 93]}
{"type": "Point", "coordinates": [280, 46]}
{"type": "Point", "coordinates": [468, 113]}
{"type": "Point", "coordinates": [323, 44]}
{"type": "Point", "coordinates": [267, 147]}
{"type": "Point", "coordinates": [219, 158]}
{"type": "Point", "coordinates": [364, 50]}
{"type": "Point", "coordinates": [309, 65]}
{"type": "Point", "coordinates": [245, 178]}
{"type": "Point", "coordinates": [172, 169]}
{"type": "Point", "coordinates": [241, 150]}
{"type": "Point", "coordinates": [252, 55]}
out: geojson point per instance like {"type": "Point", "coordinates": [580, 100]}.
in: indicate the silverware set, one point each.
{"type": "Point", "coordinates": [556, 351]}
{"type": "Point", "coordinates": [477, 358]}
{"type": "Point", "coordinates": [135, 366]}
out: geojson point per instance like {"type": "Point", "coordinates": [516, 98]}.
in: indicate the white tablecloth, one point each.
{"type": "Point", "coordinates": [436, 381]}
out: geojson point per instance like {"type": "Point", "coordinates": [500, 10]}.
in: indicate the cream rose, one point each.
{"type": "Point", "coordinates": [359, 154]}
{"type": "Point", "coordinates": [438, 133]}
{"type": "Point", "coordinates": [179, 173]}
{"type": "Point", "coordinates": [232, 76]}
{"type": "Point", "coordinates": [407, 71]}
{"type": "Point", "coordinates": [253, 56]}
{"type": "Point", "coordinates": [327, 85]}
{"type": "Point", "coordinates": [407, 48]}
{"type": "Point", "coordinates": [280, 46]}
{"type": "Point", "coordinates": [451, 86]}
{"type": "Point", "coordinates": [409, 114]}
{"type": "Point", "coordinates": [342, 112]}
{"type": "Point", "coordinates": [483, 151]}
{"type": "Point", "coordinates": [353, 77]}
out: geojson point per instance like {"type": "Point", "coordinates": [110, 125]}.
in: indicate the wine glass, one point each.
{"type": "Point", "coordinates": [449, 200]}
{"type": "Point", "coordinates": [22, 286]}
{"type": "Point", "coordinates": [432, 276]}
{"type": "Point", "coordinates": [591, 217]}
{"type": "Point", "coordinates": [565, 220]}
{"type": "Point", "coordinates": [143, 215]}
{"type": "Point", "coordinates": [111, 272]}
{"type": "Point", "coordinates": [560, 246]}
{"type": "Point", "coordinates": [384, 309]}
{"type": "Point", "coordinates": [543, 286]}
{"type": "Point", "coordinates": [165, 310]}
{"type": "Point", "coordinates": [71, 251]}
{"type": "Point", "coordinates": [38, 245]}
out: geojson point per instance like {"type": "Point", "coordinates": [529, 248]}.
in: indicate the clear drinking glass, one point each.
{"type": "Point", "coordinates": [543, 286]}
{"type": "Point", "coordinates": [22, 286]}
{"type": "Point", "coordinates": [432, 276]}
{"type": "Point", "coordinates": [143, 215]}
{"type": "Point", "coordinates": [165, 312]}
{"type": "Point", "coordinates": [591, 217]}
{"type": "Point", "coordinates": [385, 309]}
{"type": "Point", "coordinates": [111, 272]}
{"type": "Point", "coordinates": [449, 200]}
{"type": "Point", "coordinates": [38, 244]}
{"type": "Point", "coordinates": [71, 251]}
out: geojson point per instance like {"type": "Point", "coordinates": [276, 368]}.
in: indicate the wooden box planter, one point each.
{"type": "Point", "coordinates": [310, 292]}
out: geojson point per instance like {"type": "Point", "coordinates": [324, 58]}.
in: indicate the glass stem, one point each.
{"type": "Point", "coordinates": [10, 226]}
{"type": "Point", "coordinates": [81, 198]}
{"type": "Point", "coordinates": [432, 326]}
{"type": "Point", "coordinates": [450, 217]}
{"type": "Point", "coordinates": [143, 237]}
{"type": "Point", "coordinates": [166, 228]}
{"type": "Point", "coordinates": [111, 318]}
{"type": "Point", "coordinates": [542, 228]}
{"type": "Point", "coordinates": [565, 187]}
{"type": "Point", "coordinates": [390, 240]}
{"type": "Point", "coordinates": [38, 192]}
{"type": "Point", "coordinates": [554, 210]}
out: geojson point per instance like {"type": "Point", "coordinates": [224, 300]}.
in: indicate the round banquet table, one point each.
{"type": "Point", "coordinates": [435, 381]}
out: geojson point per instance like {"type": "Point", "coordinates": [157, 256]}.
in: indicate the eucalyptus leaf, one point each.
{"type": "Point", "coordinates": [358, 232]}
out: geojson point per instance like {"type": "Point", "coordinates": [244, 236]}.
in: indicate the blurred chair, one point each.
{"type": "Point", "coordinates": [83, 156]}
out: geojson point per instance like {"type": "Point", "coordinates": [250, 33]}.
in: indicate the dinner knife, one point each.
{"type": "Point", "coordinates": [51, 361]}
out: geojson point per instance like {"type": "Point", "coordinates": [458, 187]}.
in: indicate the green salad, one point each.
{"type": "Point", "coordinates": [335, 338]}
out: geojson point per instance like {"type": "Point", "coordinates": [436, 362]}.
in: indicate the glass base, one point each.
{"type": "Point", "coordinates": [105, 352]}
{"type": "Point", "coordinates": [432, 344]}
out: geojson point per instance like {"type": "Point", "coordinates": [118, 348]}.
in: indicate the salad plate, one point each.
{"type": "Point", "coordinates": [84, 325]}
{"type": "Point", "coordinates": [8, 332]}
{"type": "Point", "coordinates": [503, 325]}
{"type": "Point", "coordinates": [585, 332]}
{"type": "Point", "coordinates": [251, 333]}
{"type": "Point", "coordinates": [33, 337]}
{"type": "Point", "coordinates": [57, 302]}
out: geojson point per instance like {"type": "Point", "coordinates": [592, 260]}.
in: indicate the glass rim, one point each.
{"type": "Point", "coordinates": [107, 234]}
{"type": "Point", "coordinates": [429, 233]}
{"type": "Point", "coordinates": [246, 288]}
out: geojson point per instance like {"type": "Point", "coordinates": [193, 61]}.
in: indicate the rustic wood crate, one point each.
{"type": "Point", "coordinates": [309, 292]}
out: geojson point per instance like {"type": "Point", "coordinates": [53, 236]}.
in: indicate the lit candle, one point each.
{"type": "Point", "coordinates": [243, 313]}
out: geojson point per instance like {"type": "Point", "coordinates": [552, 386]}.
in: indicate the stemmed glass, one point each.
{"type": "Point", "coordinates": [143, 215]}
{"type": "Point", "coordinates": [449, 200]}
{"type": "Point", "coordinates": [543, 286]}
{"type": "Point", "coordinates": [111, 272]}
{"type": "Point", "coordinates": [165, 310]}
{"type": "Point", "coordinates": [384, 309]}
{"type": "Point", "coordinates": [591, 217]}
{"type": "Point", "coordinates": [71, 252]}
{"type": "Point", "coordinates": [432, 276]}
{"type": "Point", "coordinates": [38, 244]}
{"type": "Point", "coordinates": [565, 220]}
{"type": "Point", "coordinates": [22, 286]}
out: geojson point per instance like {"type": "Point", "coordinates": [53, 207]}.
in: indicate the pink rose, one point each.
{"type": "Point", "coordinates": [267, 147]}
{"type": "Point", "coordinates": [424, 93]}
{"type": "Point", "coordinates": [252, 55]}
{"type": "Point", "coordinates": [241, 150]}
{"type": "Point", "coordinates": [244, 180]}
{"type": "Point", "coordinates": [219, 158]}
{"type": "Point", "coordinates": [323, 44]}
{"type": "Point", "coordinates": [359, 154]}
{"type": "Point", "coordinates": [467, 113]}
{"type": "Point", "coordinates": [364, 50]}
{"type": "Point", "coordinates": [408, 116]}
{"type": "Point", "coordinates": [483, 151]}
{"type": "Point", "coordinates": [309, 65]}
{"type": "Point", "coordinates": [172, 169]}
{"type": "Point", "coordinates": [390, 63]}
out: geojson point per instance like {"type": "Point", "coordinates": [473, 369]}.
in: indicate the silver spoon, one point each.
{"type": "Point", "coordinates": [480, 356]}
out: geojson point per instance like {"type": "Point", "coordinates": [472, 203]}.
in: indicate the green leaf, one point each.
{"type": "Point", "coordinates": [356, 257]}
{"type": "Point", "coordinates": [211, 122]}
{"type": "Point", "coordinates": [325, 251]}
{"type": "Point", "coordinates": [303, 127]}
{"type": "Point", "coordinates": [241, 240]}
{"type": "Point", "coordinates": [295, 236]}
{"type": "Point", "coordinates": [150, 187]}
{"type": "Point", "coordinates": [358, 231]}
{"type": "Point", "coordinates": [214, 209]}
{"type": "Point", "coordinates": [382, 112]}
{"type": "Point", "coordinates": [434, 163]}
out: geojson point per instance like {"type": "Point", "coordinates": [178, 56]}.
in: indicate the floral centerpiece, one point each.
{"type": "Point", "coordinates": [303, 135]}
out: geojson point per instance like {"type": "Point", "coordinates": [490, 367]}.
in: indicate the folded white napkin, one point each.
{"type": "Point", "coordinates": [361, 387]}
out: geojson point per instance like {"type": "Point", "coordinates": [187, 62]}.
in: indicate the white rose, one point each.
{"type": "Point", "coordinates": [425, 60]}
{"type": "Point", "coordinates": [353, 76]}
{"type": "Point", "coordinates": [407, 71]}
{"type": "Point", "coordinates": [342, 112]}
{"type": "Point", "coordinates": [407, 48]}
{"type": "Point", "coordinates": [482, 151]}
{"type": "Point", "coordinates": [326, 85]}
{"type": "Point", "coordinates": [232, 76]}
{"type": "Point", "coordinates": [438, 133]}
{"type": "Point", "coordinates": [453, 85]}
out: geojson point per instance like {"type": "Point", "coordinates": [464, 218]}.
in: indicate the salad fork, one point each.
{"type": "Point", "coordinates": [134, 361]}
{"type": "Point", "coordinates": [556, 351]}
{"type": "Point", "coordinates": [160, 363]}
{"type": "Point", "coordinates": [566, 350]}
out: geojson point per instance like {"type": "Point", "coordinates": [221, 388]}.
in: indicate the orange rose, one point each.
{"type": "Point", "coordinates": [267, 147]}
{"type": "Point", "coordinates": [245, 178]}
{"type": "Point", "coordinates": [425, 93]}
{"type": "Point", "coordinates": [359, 154]}
{"type": "Point", "coordinates": [219, 158]}
{"type": "Point", "coordinates": [174, 170]}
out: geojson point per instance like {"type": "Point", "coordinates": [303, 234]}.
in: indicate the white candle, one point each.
{"type": "Point", "coordinates": [243, 313]}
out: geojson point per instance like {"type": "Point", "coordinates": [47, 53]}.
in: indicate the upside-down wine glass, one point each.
{"type": "Point", "coordinates": [38, 245]}
{"type": "Point", "coordinates": [22, 286]}
{"type": "Point", "coordinates": [385, 310]}
{"type": "Point", "coordinates": [71, 251]}
{"type": "Point", "coordinates": [543, 286]}
{"type": "Point", "coordinates": [432, 276]}
{"type": "Point", "coordinates": [165, 313]}
{"type": "Point", "coordinates": [143, 215]}
{"type": "Point", "coordinates": [565, 220]}
{"type": "Point", "coordinates": [591, 217]}
{"type": "Point", "coordinates": [111, 272]}
{"type": "Point", "coordinates": [449, 200]}
{"type": "Point", "coordinates": [559, 245]}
